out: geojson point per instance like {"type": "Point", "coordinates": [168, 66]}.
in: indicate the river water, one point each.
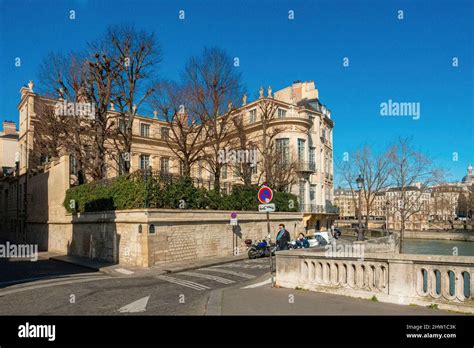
{"type": "Point", "coordinates": [438, 247]}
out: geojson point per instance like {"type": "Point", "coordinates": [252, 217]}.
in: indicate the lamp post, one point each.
{"type": "Point", "coordinates": [360, 184]}
{"type": "Point", "coordinates": [387, 204]}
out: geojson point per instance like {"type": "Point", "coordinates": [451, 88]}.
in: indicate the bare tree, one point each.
{"type": "Point", "coordinates": [245, 144]}
{"type": "Point", "coordinates": [413, 173]}
{"type": "Point", "coordinates": [187, 137]}
{"type": "Point", "coordinates": [278, 163]}
{"type": "Point", "coordinates": [63, 81]}
{"type": "Point", "coordinates": [135, 54]}
{"type": "Point", "coordinates": [215, 87]}
{"type": "Point", "coordinates": [373, 168]}
{"type": "Point", "coordinates": [102, 74]}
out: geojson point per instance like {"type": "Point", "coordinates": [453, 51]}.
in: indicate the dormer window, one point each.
{"type": "Point", "coordinates": [281, 113]}
{"type": "Point", "coordinates": [253, 116]}
{"type": "Point", "coordinates": [144, 130]}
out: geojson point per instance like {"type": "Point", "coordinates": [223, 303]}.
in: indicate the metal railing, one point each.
{"type": "Point", "coordinates": [302, 166]}
{"type": "Point", "coordinates": [316, 208]}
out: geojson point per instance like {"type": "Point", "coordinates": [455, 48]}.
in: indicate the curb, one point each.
{"type": "Point", "coordinates": [82, 264]}
{"type": "Point", "coordinates": [210, 264]}
{"type": "Point", "coordinates": [108, 268]}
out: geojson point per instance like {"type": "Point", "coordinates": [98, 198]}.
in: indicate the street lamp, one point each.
{"type": "Point", "coordinates": [387, 204]}
{"type": "Point", "coordinates": [360, 184]}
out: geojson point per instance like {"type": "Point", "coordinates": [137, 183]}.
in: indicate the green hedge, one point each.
{"type": "Point", "coordinates": [130, 192]}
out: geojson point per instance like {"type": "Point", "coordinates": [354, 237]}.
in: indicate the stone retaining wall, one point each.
{"type": "Point", "coordinates": [125, 237]}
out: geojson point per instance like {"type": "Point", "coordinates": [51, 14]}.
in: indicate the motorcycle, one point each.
{"type": "Point", "coordinates": [260, 249]}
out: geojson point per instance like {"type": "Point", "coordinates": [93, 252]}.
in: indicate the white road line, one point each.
{"type": "Point", "coordinates": [265, 282]}
{"type": "Point", "coordinates": [228, 271]}
{"type": "Point", "coordinates": [208, 276]}
{"type": "Point", "coordinates": [136, 306]}
{"type": "Point", "coordinates": [124, 271]}
{"type": "Point", "coordinates": [50, 284]}
{"type": "Point", "coordinates": [49, 278]}
{"type": "Point", "coordinates": [187, 283]}
{"type": "Point", "coordinates": [243, 266]}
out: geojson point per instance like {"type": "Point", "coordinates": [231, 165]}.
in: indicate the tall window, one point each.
{"type": "Point", "coordinates": [181, 168]}
{"type": "Point", "coordinates": [253, 116]}
{"type": "Point", "coordinates": [144, 130]}
{"type": "Point", "coordinates": [165, 133]}
{"type": "Point", "coordinates": [122, 125]}
{"type": "Point", "coordinates": [73, 165]}
{"type": "Point", "coordinates": [312, 158]}
{"type": "Point", "coordinates": [254, 169]}
{"type": "Point", "coordinates": [224, 172]}
{"type": "Point", "coordinates": [144, 161]}
{"type": "Point", "coordinates": [302, 193]}
{"type": "Point", "coordinates": [165, 165]}
{"type": "Point", "coordinates": [281, 113]}
{"type": "Point", "coordinates": [283, 149]}
{"type": "Point", "coordinates": [121, 165]}
{"type": "Point", "coordinates": [200, 166]}
{"type": "Point", "coordinates": [237, 170]}
{"type": "Point", "coordinates": [301, 143]}
{"type": "Point", "coordinates": [312, 193]}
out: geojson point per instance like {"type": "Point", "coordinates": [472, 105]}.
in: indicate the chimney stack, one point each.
{"type": "Point", "coordinates": [9, 127]}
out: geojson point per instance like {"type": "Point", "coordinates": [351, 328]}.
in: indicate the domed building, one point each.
{"type": "Point", "coordinates": [468, 179]}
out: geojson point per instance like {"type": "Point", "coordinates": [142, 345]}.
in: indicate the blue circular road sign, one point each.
{"type": "Point", "coordinates": [265, 194]}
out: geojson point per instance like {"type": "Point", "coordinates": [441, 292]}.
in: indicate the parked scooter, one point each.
{"type": "Point", "coordinates": [260, 249]}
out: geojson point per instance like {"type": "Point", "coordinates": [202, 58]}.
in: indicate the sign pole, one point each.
{"type": "Point", "coordinates": [265, 195]}
{"type": "Point", "coordinates": [269, 244]}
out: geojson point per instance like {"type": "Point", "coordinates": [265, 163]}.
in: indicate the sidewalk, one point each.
{"type": "Point", "coordinates": [168, 267]}
{"type": "Point", "coordinates": [266, 300]}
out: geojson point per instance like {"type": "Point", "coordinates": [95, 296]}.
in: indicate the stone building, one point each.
{"type": "Point", "coordinates": [306, 139]}
{"type": "Point", "coordinates": [8, 148]}
{"type": "Point", "coordinates": [346, 201]}
{"type": "Point", "coordinates": [415, 206]}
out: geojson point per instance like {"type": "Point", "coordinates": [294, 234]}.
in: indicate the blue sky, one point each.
{"type": "Point", "coordinates": [407, 60]}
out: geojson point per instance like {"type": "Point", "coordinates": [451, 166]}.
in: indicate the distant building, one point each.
{"type": "Point", "coordinates": [468, 179]}
{"type": "Point", "coordinates": [417, 208]}
{"type": "Point", "coordinates": [346, 201]}
{"type": "Point", "coordinates": [8, 148]}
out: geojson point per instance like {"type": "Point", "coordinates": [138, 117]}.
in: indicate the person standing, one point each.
{"type": "Point", "coordinates": [283, 238]}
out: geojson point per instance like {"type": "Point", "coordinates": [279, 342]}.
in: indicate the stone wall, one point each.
{"type": "Point", "coordinates": [125, 237]}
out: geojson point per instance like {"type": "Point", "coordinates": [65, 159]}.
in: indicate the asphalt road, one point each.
{"type": "Point", "coordinates": [48, 287]}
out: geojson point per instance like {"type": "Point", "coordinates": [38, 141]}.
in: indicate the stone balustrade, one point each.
{"type": "Point", "coordinates": [403, 279]}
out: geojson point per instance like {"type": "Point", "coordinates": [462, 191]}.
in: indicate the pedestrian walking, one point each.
{"type": "Point", "coordinates": [283, 238]}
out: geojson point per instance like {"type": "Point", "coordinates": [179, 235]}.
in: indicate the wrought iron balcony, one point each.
{"type": "Point", "coordinates": [305, 166]}
{"type": "Point", "coordinates": [320, 209]}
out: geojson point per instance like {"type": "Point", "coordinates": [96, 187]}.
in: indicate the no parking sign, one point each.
{"type": "Point", "coordinates": [265, 194]}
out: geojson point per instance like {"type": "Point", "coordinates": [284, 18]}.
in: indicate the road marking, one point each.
{"type": "Point", "coordinates": [244, 266]}
{"type": "Point", "coordinates": [228, 271]}
{"type": "Point", "coordinates": [136, 306]}
{"type": "Point", "coordinates": [124, 271]}
{"type": "Point", "coordinates": [50, 284]}
{"type": "Point", "coordinates": [49, 278]}
{"type": "Point", "coordinates": [208, 276]}
{"type": "Point", "coordinates": [187, 283]}
{"type": "Point", "coordinates": [265, 282]}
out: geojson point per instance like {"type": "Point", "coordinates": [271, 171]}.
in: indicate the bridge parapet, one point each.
{"type": "Point", "coordinates": [403, 279]}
